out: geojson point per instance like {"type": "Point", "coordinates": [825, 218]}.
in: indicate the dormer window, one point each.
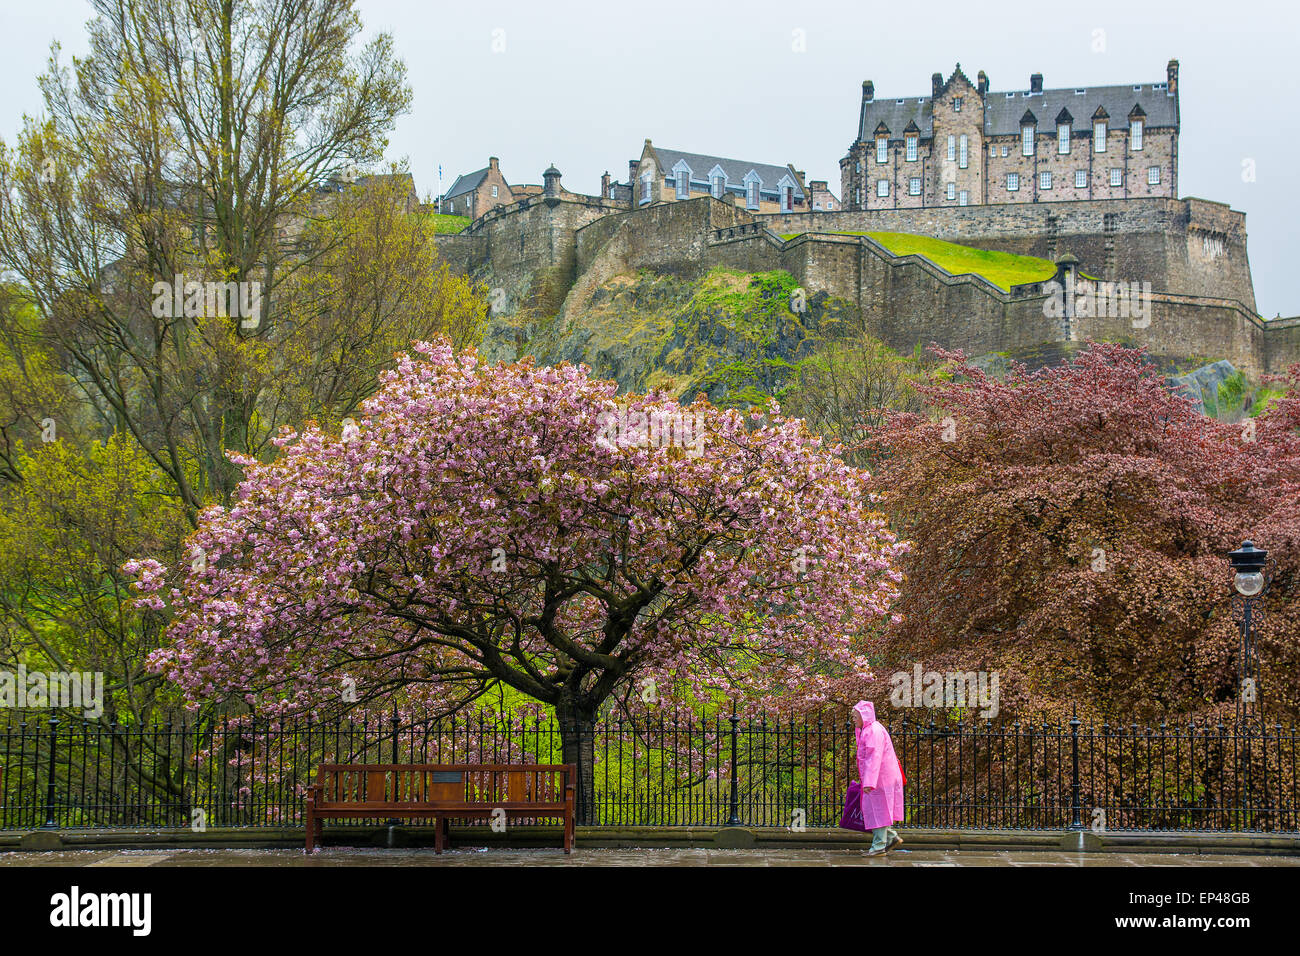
{"type": "Point", "coordinates": [1099, 136]}
{"type": "Point", "coordinates": [683, 182]}
{"type": "Point", "coordinates": [912, 148]}
{"type": "Point", "coordinates": [1135, 134]}
{"type": "Point", "coordinates": [1063, 139]}
{"type": "Point", "coordinates": [719, 186]}
{"type": "Point", "coordinates": [882, 149]}
{"type": "Point", "coordinates": [752, 183]}
{"type": "Point", "coordinates": [785, 189]}
{"type": "Point", "coordinates": [1027, 139]}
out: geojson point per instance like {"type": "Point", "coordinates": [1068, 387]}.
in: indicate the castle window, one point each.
{"type": "Point", "coordinates": [951, 191]}
{"type": "Point", "coordinates": [719, 186]}
{"type": "Point", "coordinates": [683, 184]}
{"type": "Point", "coordinates": [956, 104]}
{"type": "Point", "coordinates": [1135, 135]}
{"type": "Point", "coordinates": [1063, 139]}
{"type": "Point", "coordinates": [1117, 177]}
{"type": "Point", "coordinates": [963, 198]}
{"type": "Point", "coordinates": [1081, 178]}
{"type": "Point", "coordinates": [1013, 182]}
{"type": "Point", "coordinates": [1004, 150]}
{"type": "Point", "coordinates": [882, 150]}
{"type": "Point", "coordinates": [787, 199]}
{"type": "Point", "coordinates": [1099, 136]}
{"type": "Point", "coordinates": [914, 186]}
{"type": "Point", "coordinates": [993, 151]}
{"type": "Point", "coordinates": [1045, 180]}
{"type": "Point", "coordinates": [494, 192]}
{"type": "Point", "coordinates": [752, 198]}
{"type": "Point", "coordinates": [647, 183]}
{"type": "Point", "coordinates": [859, 166]}
{"type": "Point", "coordinates": [1027, 140]}
{"type": "Point", "coordinates": [911, 149]}
{"type": "Point", "coordinates": [963, 151]}
{"type": "Point", "coordinates": [952, 148]}
{"type": "Point", "coordinates": [882, 187]}
{"type": "Point", "coordinates": [1153, 175]}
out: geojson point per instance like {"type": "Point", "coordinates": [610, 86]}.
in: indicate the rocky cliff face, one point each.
{"type": "Point", "coordinates": [734, 336]}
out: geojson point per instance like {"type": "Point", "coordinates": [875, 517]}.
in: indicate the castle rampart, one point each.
{"type": "Point", "coordinates": [553, 254]}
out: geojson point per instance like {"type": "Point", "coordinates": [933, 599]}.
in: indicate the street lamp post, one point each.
{"type": "Point", "coordinates": [1250, 583]}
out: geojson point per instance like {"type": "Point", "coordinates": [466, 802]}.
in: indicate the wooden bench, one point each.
{"type": "Point", "coordinates": [438, 792]}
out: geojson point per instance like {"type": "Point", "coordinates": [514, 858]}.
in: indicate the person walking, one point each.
{"type": "Point", "coordinates": [881, 777]}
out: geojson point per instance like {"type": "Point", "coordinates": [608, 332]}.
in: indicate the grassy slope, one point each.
{"type": "Point", "coordinates": [1003, 269]}
{"type": "Point", "coordinates": [443, 223]}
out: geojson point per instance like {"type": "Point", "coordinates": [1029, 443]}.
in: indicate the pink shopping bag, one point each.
{"type": "Point", "coordinates": [851, 818]}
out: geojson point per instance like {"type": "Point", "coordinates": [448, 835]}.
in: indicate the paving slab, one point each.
{"type": "Point", "coordinates": [471, 856]}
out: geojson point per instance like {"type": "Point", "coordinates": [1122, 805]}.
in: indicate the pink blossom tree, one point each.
{"type": "Point", "coordinates": [483, 525]}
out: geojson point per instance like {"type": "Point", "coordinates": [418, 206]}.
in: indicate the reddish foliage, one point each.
{"type": "Point", "coordinates": [1072, 535]}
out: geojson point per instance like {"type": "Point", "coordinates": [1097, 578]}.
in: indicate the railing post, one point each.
{"type": "Point", "coordinates": [1076, 822]}
{"type": "Point", "coordinates": [734, 820]}
{"type": "Point", "coordinates": [50, 822]}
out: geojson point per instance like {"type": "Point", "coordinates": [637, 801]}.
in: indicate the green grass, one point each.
{"type": "Point", "coordinates": [1003, 269]}
{"type": "Point", "coordinates": [1264, 397]}
{"type": "Point", "coordinates": [444, 224]}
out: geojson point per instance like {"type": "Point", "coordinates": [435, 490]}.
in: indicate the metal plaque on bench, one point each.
{"type": "Point", "coordinates": [446, 776]}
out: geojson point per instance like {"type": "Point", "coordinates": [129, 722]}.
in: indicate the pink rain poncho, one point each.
{"type": "Point", "coordinates": [878, 769]}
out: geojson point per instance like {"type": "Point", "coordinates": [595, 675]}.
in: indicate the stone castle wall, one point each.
{"type": "Point", "coordinates": [1186, 246]}
{"type": "Point", "coordinates": [552, 255]}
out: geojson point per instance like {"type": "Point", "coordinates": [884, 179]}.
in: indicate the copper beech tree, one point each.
{"type": "Point", "coordinates": [1070, 528]}
{"type": "Point", "coordinates": [482, 525]}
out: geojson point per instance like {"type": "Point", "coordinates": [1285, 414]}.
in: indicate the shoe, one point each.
{"type": "Point", "coordinates": [896, 840]}
{"type": "Point", "coordinates": [877, 851]}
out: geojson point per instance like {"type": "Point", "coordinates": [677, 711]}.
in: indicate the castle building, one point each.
{"type": "Point", "coordinates": [967, 145]}
{"type": "Point", "coordinates": [473, 194]}
{"type": "Point", "coordinates": [669, 175]}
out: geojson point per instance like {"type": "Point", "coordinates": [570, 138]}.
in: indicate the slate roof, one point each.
{"type": "Point", "coordinates": [1003, 111]}
{"type": "Point", "coordinates": [466, 183]}
{"type": "Point", "coordinates": [736, 170]}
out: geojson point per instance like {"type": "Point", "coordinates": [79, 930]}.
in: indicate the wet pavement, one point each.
{"type": "Point", "coordinates": [350, 856]}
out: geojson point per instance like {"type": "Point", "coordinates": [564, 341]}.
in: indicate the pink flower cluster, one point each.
{"type": "Point", "coordinates": [472, 528]}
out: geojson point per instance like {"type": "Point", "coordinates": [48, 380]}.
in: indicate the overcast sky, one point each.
{"type": "Point", "coordinates": [583, 85]}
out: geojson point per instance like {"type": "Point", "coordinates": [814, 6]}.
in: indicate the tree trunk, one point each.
{"type": "Point", "coordinates": [578, 746]}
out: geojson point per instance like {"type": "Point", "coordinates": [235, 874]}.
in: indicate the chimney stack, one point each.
{"type": "Point", "coordinates": [632, 165]}
{"type": "Point", "coordinates": [868, 91]}
{"type": "Point", "coordinates": [936, 84]}
{"type": "Point", "coordinates": [982, 82]}
{"type": "Point", "coordinates": [1171, 71]}
{"type": "Point", "coordinates": [604, 185]}
{"type": "Point", "coordinates": [1036, 83]}
{"type": "Point", "coordinates": [494, 164]}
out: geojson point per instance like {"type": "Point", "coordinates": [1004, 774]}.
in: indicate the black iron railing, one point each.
{"type": "Point", "coordinates": [61, 771]}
